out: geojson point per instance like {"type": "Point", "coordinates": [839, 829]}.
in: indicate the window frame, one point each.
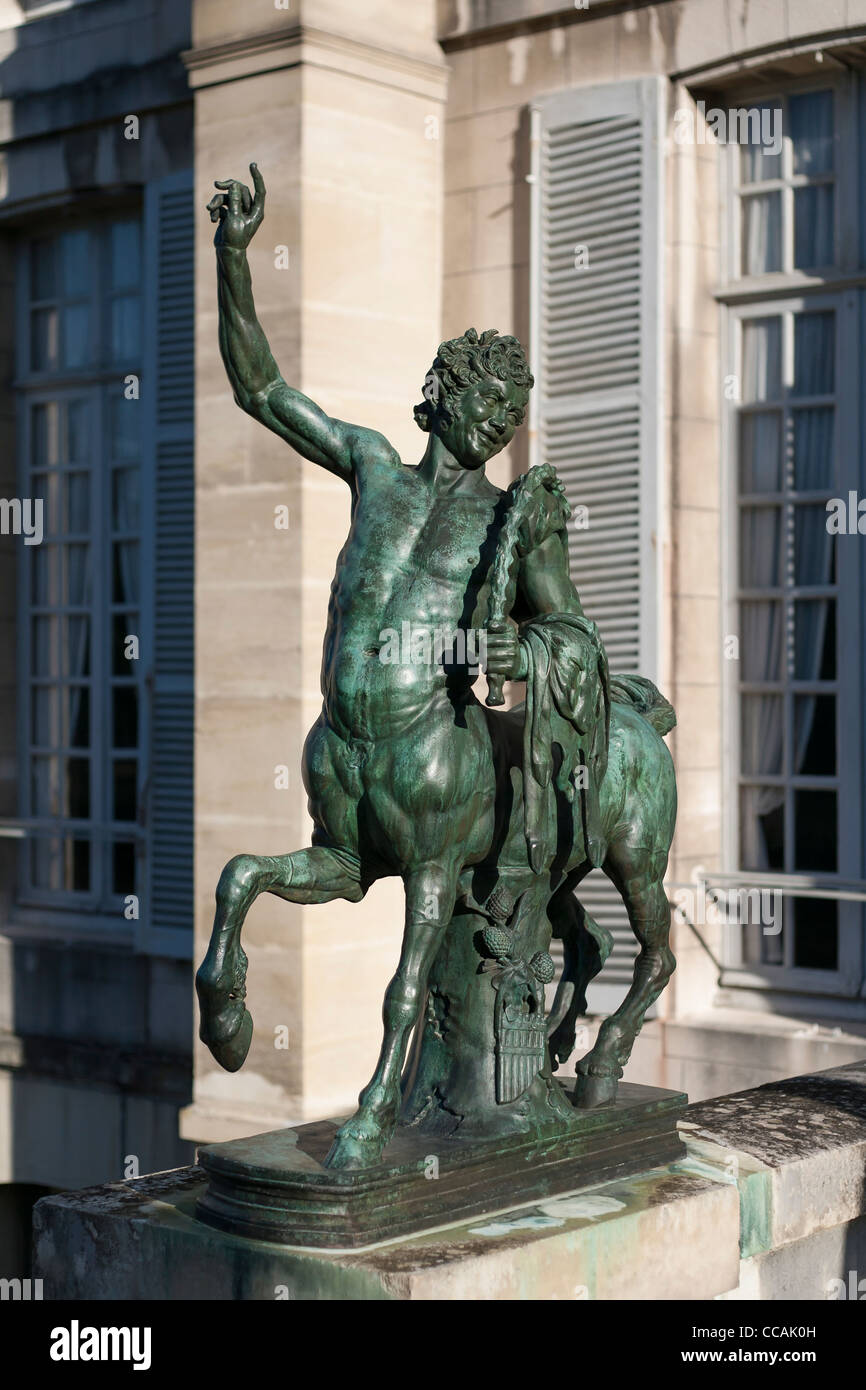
{"type": "Point", "coordinates": [738, 287]}
{"type": "Point", "coordinates": [98, 911]}
{"type": "Point", "coordinates": [778, 293]}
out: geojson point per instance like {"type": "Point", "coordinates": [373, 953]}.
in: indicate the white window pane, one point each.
{"type": "Point", "coordinates": [761, 231]}
{"type": "Point", "coordinates": [810, 125]}
{"type": "Point", "coordinates": [762, 359]}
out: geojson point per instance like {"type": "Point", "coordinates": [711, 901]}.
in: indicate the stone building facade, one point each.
{"type": "Point", "coordinates": [664, 202]}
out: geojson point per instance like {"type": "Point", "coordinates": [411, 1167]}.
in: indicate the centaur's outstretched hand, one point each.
{"type": "Point", "coordinates": [238, 213]}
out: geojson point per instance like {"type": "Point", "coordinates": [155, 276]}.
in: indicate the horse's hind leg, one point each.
{"type": "Point", "coordinates": [586, 946]}
{"type": "Point", "coordinates": [638, 875]}
{"type": "Point", "coordinates": [315, 875]}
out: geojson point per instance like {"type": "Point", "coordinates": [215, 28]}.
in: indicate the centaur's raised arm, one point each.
{"type": "Point", "coordinates": [258, 387]}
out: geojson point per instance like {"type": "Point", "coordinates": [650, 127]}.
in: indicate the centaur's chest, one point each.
{"type": "Point", "coordinates": [425, 539]}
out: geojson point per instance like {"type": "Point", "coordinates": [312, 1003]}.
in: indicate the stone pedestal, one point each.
{"type": "Point", "coordinates": [651, 1236]}
{"type": "Point", "coordinates": [768, 1203]}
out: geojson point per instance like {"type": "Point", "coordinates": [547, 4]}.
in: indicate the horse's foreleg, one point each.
{"type": "Point", "coordinates": [307, 876]}
{"type": "Point", "coordinates": [430, 896]}
{"type": "Point", "coordinates": [650, 916]}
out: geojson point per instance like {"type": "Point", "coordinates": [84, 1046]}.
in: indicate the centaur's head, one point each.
{"type": "Point", "coordinates": [475, 395]}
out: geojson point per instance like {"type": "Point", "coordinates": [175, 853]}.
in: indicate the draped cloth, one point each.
{"type": "Point", "coordinates": [567, 707]}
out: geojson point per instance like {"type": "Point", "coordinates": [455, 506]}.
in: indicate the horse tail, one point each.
{"type": "Point", "coordinates": [643, 696]}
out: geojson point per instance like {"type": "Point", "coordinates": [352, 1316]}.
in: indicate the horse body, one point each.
{"type": "Point", "coordinates": [431, 804]}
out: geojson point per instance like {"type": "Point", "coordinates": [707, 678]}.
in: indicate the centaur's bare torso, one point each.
{"type": "Point", "coordinates": [412, 575]}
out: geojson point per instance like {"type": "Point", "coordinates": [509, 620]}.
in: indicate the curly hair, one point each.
{"type": "Point", "coordinates": [460, 362]}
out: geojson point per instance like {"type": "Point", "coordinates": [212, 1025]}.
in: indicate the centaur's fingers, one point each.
{"type": "Point", "coordinates": [258, 211]}
{"type": "Point", "coordinates": [258, 185]}
{"type": "Point", "coordinates": [216, 206]}
{"type": "Point", "coordinates": [246, 198]}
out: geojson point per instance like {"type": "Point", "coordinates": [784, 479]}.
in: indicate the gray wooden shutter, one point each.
{"type": "Point", "coordinates": [168, 393]}
{"type": "Point", "coordinates": [596, 353]}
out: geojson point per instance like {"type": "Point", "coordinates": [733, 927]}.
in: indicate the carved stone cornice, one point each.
{"type": "Point", "coordinates": [299, 45]}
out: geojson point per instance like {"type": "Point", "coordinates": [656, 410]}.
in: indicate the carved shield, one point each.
{"type": "Point", "coordinates": [521, 1035]}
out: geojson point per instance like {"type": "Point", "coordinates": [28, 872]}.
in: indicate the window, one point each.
{"type": "Point", "coordinates": [106, 738]}
{"type": "Point", "coordinates": [793, 588]}
{"type": "Point", "coordinates": [82, 590]}
{"type": "Point", "coordinates": [787, 199]}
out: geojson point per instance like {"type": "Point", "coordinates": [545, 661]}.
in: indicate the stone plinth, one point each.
{"type": "Point", "coordinates": [768, 1203]}
{"type": "Point", "coordinates": [651, 1236]}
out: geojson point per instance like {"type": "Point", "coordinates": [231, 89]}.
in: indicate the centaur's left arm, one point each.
{"type": "Point", "coordinates": [543, 586]}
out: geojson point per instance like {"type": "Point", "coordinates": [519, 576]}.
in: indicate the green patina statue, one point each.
{"type": "Point", "coordinates": [491, 819]}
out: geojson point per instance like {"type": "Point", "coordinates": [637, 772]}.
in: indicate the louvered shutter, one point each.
{"type": "Point", "coordinates": [596, 353]}
{"type": "Point", "coordinates": [168, 393]}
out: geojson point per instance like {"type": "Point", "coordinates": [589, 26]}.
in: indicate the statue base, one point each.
{"type": "Point", "coordinates": [274, 1186]}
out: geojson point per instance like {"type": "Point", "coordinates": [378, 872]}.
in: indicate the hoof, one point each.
{"type": "Point", "coordinates": [231, 1052]}
{"type": "Point", "coordinates": [594, 1091]}
{"type": "Point", "coordinates": [348, 1152]}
